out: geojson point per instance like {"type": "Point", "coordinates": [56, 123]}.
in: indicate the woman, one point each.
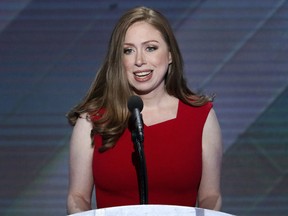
{"type": "Point", "coordinates": [182, 136]}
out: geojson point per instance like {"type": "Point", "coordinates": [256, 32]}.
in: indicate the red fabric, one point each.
{"type": "Point", "coordinates": [173, 152]}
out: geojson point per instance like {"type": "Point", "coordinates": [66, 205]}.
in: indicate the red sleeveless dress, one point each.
{"type": "Point", "coordinates": [173, 153]}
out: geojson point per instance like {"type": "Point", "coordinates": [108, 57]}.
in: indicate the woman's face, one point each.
{"type": "Point", "coordinates": [146, 58]}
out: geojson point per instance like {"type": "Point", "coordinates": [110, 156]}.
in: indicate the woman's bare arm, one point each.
{"type": "Point", "coordinates": [209, 191]}
{"type": "Point", "coordinates": [80, 168]}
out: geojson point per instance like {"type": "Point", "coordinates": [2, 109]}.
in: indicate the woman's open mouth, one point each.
{"type": "Point", "coordinates": [142, 76]}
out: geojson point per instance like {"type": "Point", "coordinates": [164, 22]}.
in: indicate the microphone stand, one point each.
{"type": "Point", "coordinates": [142, 171]}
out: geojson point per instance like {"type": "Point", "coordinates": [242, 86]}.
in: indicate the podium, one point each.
{"type": "Point", "coordinates": [151, 210]}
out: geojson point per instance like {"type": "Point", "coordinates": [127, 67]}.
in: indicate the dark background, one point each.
{"type": "Point", "coordinates": [50, 51]}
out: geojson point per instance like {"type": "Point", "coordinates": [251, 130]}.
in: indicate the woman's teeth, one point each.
{"type": "Point", "coordinates": [142, 74]}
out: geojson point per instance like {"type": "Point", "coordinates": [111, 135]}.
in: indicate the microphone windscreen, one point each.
{"type": "Point", "coordinates": [135, 102]}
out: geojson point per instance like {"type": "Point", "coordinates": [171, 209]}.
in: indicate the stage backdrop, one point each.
{"type": "Point", "coordinates": [50, 51]}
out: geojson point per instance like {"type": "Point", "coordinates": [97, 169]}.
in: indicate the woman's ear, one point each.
{"type": "Point", "coordinates": [170, 58]}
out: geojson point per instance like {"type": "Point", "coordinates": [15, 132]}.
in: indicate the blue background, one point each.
{"type": "Point", "coordinates": [50, 51]}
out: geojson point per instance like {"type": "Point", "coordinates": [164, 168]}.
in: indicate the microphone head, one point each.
{"type": "Point", "coordinates": [135, 102]}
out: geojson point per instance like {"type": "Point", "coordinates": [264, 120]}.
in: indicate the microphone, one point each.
{"type": "Point", "coordinates": [135, 106]}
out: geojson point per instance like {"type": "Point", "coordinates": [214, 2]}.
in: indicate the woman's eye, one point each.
{"type": "Point", "coordinates": [151, 48]}
{"type": "Point", "coordinates": [127, 51]}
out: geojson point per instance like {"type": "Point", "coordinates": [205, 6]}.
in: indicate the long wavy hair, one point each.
{"type": "Point", "coordinates": [110, 89]}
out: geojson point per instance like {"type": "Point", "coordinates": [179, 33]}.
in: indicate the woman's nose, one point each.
{"type": "Point", "coordinates": [140, 59]}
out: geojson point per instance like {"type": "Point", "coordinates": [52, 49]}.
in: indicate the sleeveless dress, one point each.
{"type": "Point", "coordinates": [173, 154]}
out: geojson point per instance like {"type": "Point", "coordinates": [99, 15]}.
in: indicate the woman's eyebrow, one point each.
{"type": "Point", "coordinates": [145, 42]}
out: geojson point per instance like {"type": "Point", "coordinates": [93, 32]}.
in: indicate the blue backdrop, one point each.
{"type": "Point", "coordinates": [50, 51]}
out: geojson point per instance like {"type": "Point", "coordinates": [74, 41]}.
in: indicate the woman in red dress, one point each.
{"type": "Point", "coordinates": [182, 143]}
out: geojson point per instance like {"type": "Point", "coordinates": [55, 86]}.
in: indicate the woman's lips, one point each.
{"type": "Point", "coordinates": [143, 75]}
